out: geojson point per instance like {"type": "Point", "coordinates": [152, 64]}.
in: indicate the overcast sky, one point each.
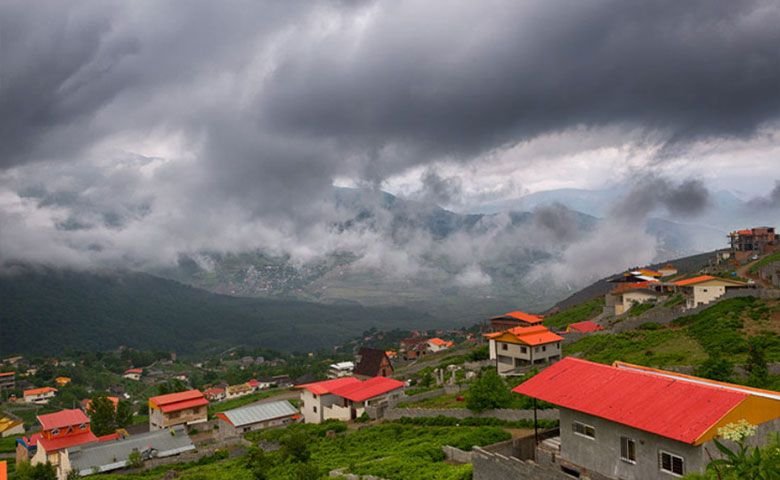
{"type": "Point", "coordinates": [133, 131]}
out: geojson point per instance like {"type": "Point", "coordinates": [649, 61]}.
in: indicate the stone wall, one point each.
{"type": "Point", "coordinates": [495, 466]}
{"type": "Point", "coordinates": [501, 414]}
{"type": "Point", "coordinates": [454, 454]}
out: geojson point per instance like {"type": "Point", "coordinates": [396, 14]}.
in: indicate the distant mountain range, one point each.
{"type": "Point", "coordinates": [48, 311]}
{"type": "Point", "coordinates": [499, 248]}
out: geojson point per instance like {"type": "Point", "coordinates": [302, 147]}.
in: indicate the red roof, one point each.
{"type": "Point", "coordinates": [523, 317]}
{"type": "Point", "coordinates": [327, 386]}
{"type": "Point", "coordinates": [134, 370]}
{"type": "Point", "coordinates": [108, 437]}
{"type": "Point", "coordinates": [52, 444]}
{"type": "Point", "coordinates": [586, 327]}
{"type": "Point", "coordinates": [694, 280]}
{"type": "Point", "coordinates": [173, 402]}
{"type": "Point", "coordinates": [630, 287]}
{"type": "Point", "coordinates": [744, 232]}
{"type": "Point", "coordinates": [38, 391]}
{"type": "Point", "coordinates": [214, 391]}
{"type": "Point", "coordinates": [669, 407]}
{"type": "Point", "coordinates": [440, 343]}
{"type": "Point", "coordinates": [7, 374]}
{"type": "Point", "coordinates": [63, 418]}
{"type": "Point", "coordinates": [373, 387]}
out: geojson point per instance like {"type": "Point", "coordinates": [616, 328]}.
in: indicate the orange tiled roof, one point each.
{"type": "Point", "coordinates": [694, 280]}
{"type": "Point", "coordinates": [38, 391]}
{"type": "Point", "coordinates": [536, 335]}
{"type": "Point", "coordinates": [440, 343]}
{"type": "Point", "coordinates": [523, 317]}
{"type": "Point", "coordinates": [630, 287]}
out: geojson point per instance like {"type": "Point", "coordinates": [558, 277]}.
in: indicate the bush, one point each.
{"type": "Point", "coordinates": [488, 392]}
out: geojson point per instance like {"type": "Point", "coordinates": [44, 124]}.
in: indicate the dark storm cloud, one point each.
{"type": "Point", "coordinates": [439, 190]}
{"type": "Point", "coordinates": [770, 201]}
{"type": "Point", "coordinates": [459, 80]}
{"type": "Point", "coordinates": [267, 102]}
{"type": "Point", "coordinates": [686, 199]}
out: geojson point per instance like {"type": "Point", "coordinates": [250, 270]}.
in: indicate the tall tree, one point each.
{"type": "Point", "coordinates": [102, 415]}
{"type": "Point", "coordinates": [758, 371]}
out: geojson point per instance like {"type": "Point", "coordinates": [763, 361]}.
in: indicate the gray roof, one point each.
{"type": "Point", "coordinates": [105, 456]}
{"type": "Point", "coordinates": [260, 413]}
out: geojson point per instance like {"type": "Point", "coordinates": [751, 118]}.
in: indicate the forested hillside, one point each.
{"type": "Point", "coordinates": [49, 311]}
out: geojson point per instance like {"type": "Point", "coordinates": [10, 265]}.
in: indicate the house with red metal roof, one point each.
{"type": "Point", "coordinates": [347, 398]}
{"type": "Point", "coordinates": [588, 326]}
{"type": "Point", "coordinates": [627, 294]}
{"type": "Point", "coordinates": [180, 408]}
{"type": "Point", "coordinates": [519, 347]}
{"type": "Point", "coordinates": [39, 396]}
{"type": "Point", "coordinates": [705, 289]}
{"type": "Point", "coordinates": [59, 432]}
{"type": "Point", "coordinates": [630, 422]}
{"type": "Point", "coordinates": [514, 319]}
{"type": "Point", "coordinates": [214, 394]}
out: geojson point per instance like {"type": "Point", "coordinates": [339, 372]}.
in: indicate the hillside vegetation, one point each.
{"type": "Point", "coordinates": [723, 331]}
{"type": "Point", "coordinates": [49, 311]}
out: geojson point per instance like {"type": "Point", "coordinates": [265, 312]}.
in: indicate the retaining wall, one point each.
{"type": "Point", "coordinates": [501, 414]}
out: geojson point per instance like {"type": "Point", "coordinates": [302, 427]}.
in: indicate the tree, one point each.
{"type": "Point", "coordinates": [489, 391]}
{"type": "Point", "coordinates": [257, 462]}
{"type": "Point", "coordinates": [102, 415]}
{"type": "Point", "coordinates": [124, 414]}
{"type": "Point", "coordinates": [758, 372]}
{"type": "Point", "coordinates": [295, 446]}
{"type": "Point", "coordinates": [307, 471]}
{"type": "Point", "coordinates": [135, 459]}
{"type": "Point", "coordinates": [41, 471]}
{"type": "Point", "coordinates": [716, 369]}
{"type": "Point", "coordinates": [743, 461]}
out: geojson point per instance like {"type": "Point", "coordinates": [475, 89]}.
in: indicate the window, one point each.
{"type": "Point", "coordinates": [83, 426]}
{"type": "Point", "coordinates": [584, 430]}
{"type": "Point", "coordinates": [55, 431]}
{"type": "Point", "coordinates": [315, 408]}
{"type": "Point", "coordinates": [627, 450]}
{"type": "Point", "coordinates": [504, 346]}
{"type": "Point", "coordinates": [523, 349]}
{"type": "Point", "coordinates": [671, 463]}
{"type": "Point", "coordinates": [544, 348]}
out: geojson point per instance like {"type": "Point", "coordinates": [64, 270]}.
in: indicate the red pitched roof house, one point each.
{"type": "Point", "coordinates": [518, 347]}
{"type": "Point", "coordinates": [214, 394]}
{"type": "Point", "coordinates": [39, 396]}
{"type": "Point", "coordinates": [59, 431]}
{"type": "Point", "coordinates": [625, 295]}
{"type": "Point", "coordinates": [181, 408]}
{"type": "Point", "coordinates": [347, 398]}
{"type": "Point", "coordinates": [624, 421]}
{"type": "Point", "coordinates": [588, 326]}
{"type": "Point", "coordinates": [514, 319]}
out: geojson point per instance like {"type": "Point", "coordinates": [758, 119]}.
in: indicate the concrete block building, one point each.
{"type": "Point", "coordinates": [347, 398]}
{"type": "Point", "coordinates": [181, 408]}
{"type": "Point", "coordinates": [630, 422]}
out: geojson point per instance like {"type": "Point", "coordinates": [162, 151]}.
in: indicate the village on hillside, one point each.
{"type": "Point", "coordinates": [665, 373]}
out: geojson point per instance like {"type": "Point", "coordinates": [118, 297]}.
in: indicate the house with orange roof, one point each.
{"type": "Point", "coordinates": [39, 396]}
{"type": "Point", "coordinates": [87, 402]}
{"type": "Point", "coordinates": [632, 422]}
{"type": "Point", "coordinates": [705, 289]}
{"type": "Point", "coordinates": [518, 347]}
{"type": "Point", "coordinates": [625, 295]}
{"type": "Point", "coordinates": [59, 432]}
{"type": "Point", "coordinates": [514, 319]}
{"type": "Point", "coordinates": [180, 408]}
{"type": "Point", "coordinates": [62, 381]}
{"type": "Point", "coordinates": [668, 270]}
{"type": "Point", "coordinates": [756, 240]}
{"type": "Point", "coordinates": [347, 398]}
{"type": "Point", "coordinates": [436, 344]}
{"type": "Point", "coordinates": [214, 394]}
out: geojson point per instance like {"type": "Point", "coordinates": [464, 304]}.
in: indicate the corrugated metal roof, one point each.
{"type": "Point", "coordinates": [112, 455]}
{"type": "Point", "coordinates": [324, 387]}
{"type": "Point", "coordinates": [669, 407]}
{"type": "Point", "coordinates": [260, 413]}
{"type": "Point", "coordinates": [176, 397]}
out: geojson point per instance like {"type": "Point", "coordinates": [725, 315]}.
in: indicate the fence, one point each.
{"type": "Point", "coordinates": [506, 414]}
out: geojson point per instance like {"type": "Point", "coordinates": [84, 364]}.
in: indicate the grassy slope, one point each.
{"type": "Point", "coordinates": [400, 452]}
{"type": "Point", "coordinates": [577, 313]}
{"type": "Point", "coordinates": [721, 330]}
